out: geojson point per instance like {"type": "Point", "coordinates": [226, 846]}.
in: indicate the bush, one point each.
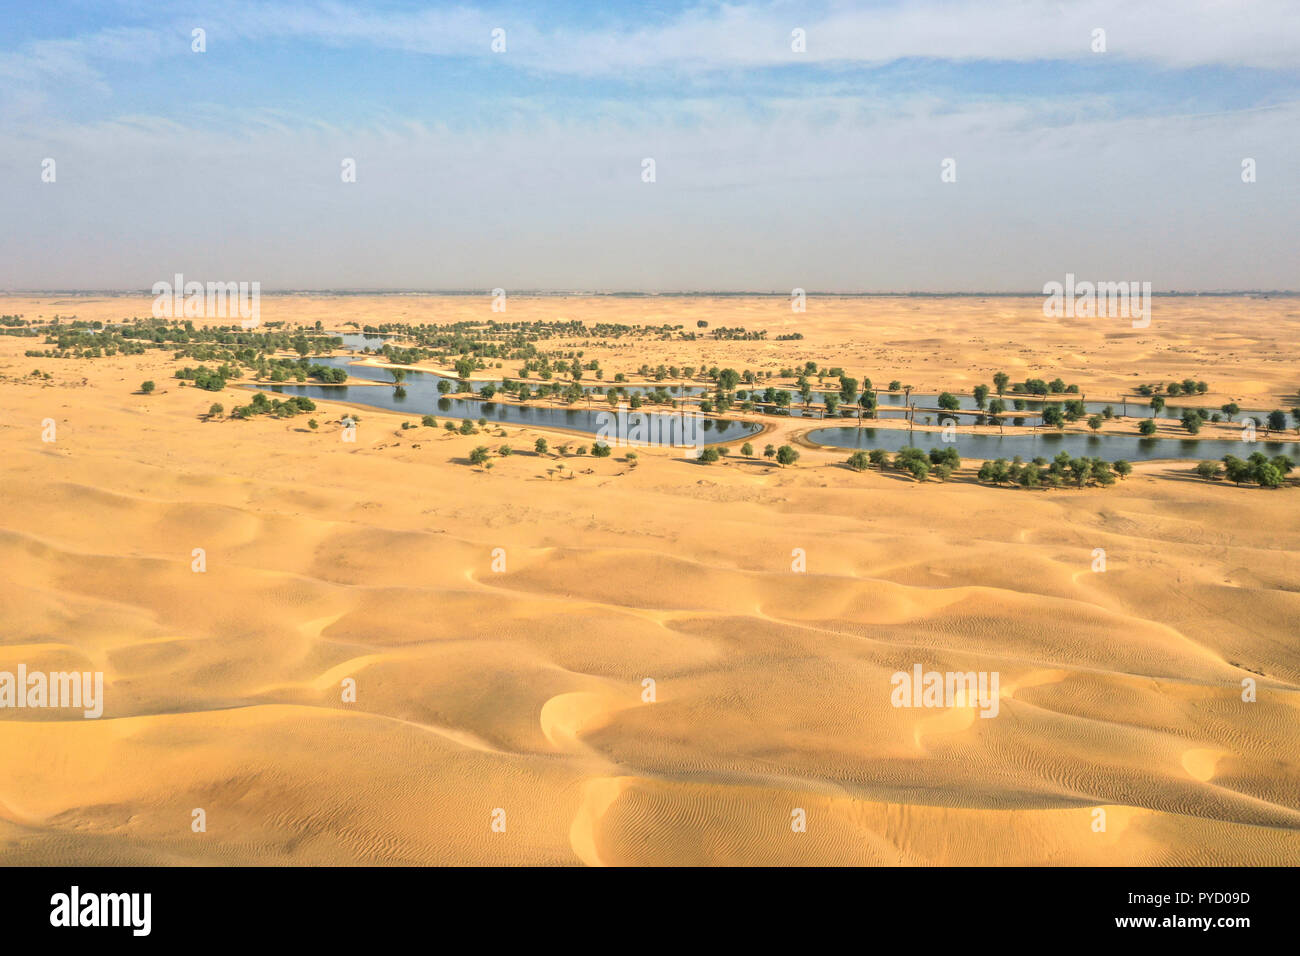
{"type": "Point", "coordinates": [147, 387]}
{"type": "Point", "coordinates": [600, 450]}
{"type": "Point", "coordinates": [945, 456]}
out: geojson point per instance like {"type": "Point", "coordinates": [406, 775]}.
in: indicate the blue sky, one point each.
{"type": "Point", "coordinates": [774, 168]}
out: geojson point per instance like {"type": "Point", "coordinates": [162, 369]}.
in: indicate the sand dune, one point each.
{"type": "Point", "coordinates": [521, 689]}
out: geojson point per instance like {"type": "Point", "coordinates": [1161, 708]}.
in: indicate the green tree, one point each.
{"type": "Point", "coordinates": [540, 446]}
{"type": "Point", "coordinates": [859, 461]}
{"type": "Point", "coordinates": [147, 387]}
{"type": "Point", "coordinates": [786, 455]}
{"type": "Point", "coordinates": [747, 450]}
{"type": "Point", "coordinates": [479, 455]}
{"type": "Point", "coordinates": [1000, 381]}
{"type": "Point", "coordinates": [1268, 476]}
{"type": "Point", "coordinates": [1236, 470]}
{"type": "Point", "coordinates": [1147, 427]}
{"type": "Point", "coordinates": [215, 409]}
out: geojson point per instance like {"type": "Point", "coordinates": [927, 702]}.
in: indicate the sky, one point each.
{"type": "Point", "coordinates": [776, 164]}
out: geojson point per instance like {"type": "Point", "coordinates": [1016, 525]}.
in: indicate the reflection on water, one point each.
{"type": "Point", "coordinates": [419, 395]}
{"type": "Point", "coordinates": [1047, 444]}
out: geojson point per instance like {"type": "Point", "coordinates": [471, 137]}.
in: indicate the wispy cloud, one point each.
{"type": "Point", "coordinates": [770, 174]}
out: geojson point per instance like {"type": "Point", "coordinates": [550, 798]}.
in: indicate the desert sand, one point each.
{"type": "Point", "coordinates": [523, 689]}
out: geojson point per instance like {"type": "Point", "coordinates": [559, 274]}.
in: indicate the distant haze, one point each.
{"type": "Point", "coordinates": [774, 169]}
